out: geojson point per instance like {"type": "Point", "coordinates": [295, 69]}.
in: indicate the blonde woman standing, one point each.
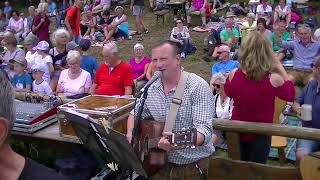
{"type": "Point", "coordinates": [41, 22]}
{"type": "Point", "coordinates": [253, 88]}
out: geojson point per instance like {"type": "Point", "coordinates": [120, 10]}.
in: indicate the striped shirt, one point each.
{"type": "Point", "coordinates": [196, 111]}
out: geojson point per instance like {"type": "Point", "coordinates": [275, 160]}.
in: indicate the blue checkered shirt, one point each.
{"type": "Point", "coordinates": [196, 111]}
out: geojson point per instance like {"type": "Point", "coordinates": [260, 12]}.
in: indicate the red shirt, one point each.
{"type": "Point", "coordinates": [113, 83]}
{"type": "Point", "coordinates": [73, 15]}
{"type": "Point", "coordinates": [254, 100]}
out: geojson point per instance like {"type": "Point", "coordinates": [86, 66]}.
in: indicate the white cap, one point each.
{"type": "Point", "coordinates": [42, 45]}
{"type": "Point", "coordinates": [38, 67]}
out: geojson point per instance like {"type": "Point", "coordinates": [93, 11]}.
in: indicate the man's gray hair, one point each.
{"type": "Point", "coordinates": [7, 105]}
{"type": "Point", "coordinates": [73, 55]}
{"type": "Point", "coordinates": [111, 47]}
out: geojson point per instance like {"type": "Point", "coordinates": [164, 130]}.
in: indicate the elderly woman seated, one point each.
{"type": "Point", "coordinates": [222, 106]}
{"type": "Point", "coordinates": [139, 65]}
{"type": "Point", "coordinates": [73, 80]}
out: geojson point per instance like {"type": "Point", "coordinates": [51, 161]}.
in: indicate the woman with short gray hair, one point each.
{"type": "Point", "coordinates": [139, 65]}
{"type": "Point", "coordinates": [59, 39]}
{"type": "Point", "coordinates": [73, 80]}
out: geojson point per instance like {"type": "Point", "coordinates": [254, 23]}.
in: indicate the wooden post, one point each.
{"type": "Point", "coordinates": [233, 141]}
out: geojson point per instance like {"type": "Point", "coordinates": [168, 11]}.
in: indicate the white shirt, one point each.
{"type": "Point", "coordinates": [42, 88]}
{"type": "Point", "coordinates": [30, 58]}
{"type": "Point", "coordinates": [39, 60]}
{"type": "Point", "coordinates": [260, 9]}
{"type": "Point", "coordinates": [222, 110]}
{"type": "Point", "coordinates": [282, 12]}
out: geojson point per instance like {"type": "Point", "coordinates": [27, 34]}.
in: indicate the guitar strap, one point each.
{"type": "Point", "coordinates": [176, 102]}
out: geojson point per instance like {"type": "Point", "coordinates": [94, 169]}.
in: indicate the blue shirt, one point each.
{"type": "Point", "coordinates": [51, 7]}
{"type": "Point", "coordinates": [311, 95]}
{"type": "Point", "coordinates": [224, 66]}
{"type": "Point", "coordinates": [303, 56]}
{"type": "Point", "coordinates": [7, 9]}
{"type": "Point", "coordinates": [21, 81]}
{"type": "Point", "coordinates": [89, 64]}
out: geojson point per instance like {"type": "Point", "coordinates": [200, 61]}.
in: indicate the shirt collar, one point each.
{"type": "Point", "coordinates": [311, 42]}
{"type": "Point", "coordinates": [158, 83]}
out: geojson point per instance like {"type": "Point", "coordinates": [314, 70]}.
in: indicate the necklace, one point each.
{"type": "Point", "coordinates": [223, 102]}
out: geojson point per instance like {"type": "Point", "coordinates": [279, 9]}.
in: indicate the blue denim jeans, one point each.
{"type": "Point", "coordinates": [76, 38]}
{"type": "Point", "coordinates": [185, 46]}
{"type": "Point", "coordinates": [308, 145]}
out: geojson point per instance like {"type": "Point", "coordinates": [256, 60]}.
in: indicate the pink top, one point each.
{"type": "Point", "coordinates": [17, 26]}
{"type": "Point", "coordinates": [254, 100]}
{"type": "Point", "coordinates": [138, 68]}
{"type": "Point", "coordinates": [74, 86]}
{"type": "Point", "coordinates": [197, 4]}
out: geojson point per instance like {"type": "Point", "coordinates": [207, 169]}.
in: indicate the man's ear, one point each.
{"type": "Point", "coordinates": [4, 128]}
{"type": "Point", "coordinates": [178, 57]}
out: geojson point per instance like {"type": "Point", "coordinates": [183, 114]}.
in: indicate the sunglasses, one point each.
{"type": "Point", "coordinates": [216, 85]}
{"type": "Point", "coordinates": [220, 52]}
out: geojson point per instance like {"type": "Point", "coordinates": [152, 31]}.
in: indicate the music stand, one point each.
{"type": "Point", "coordinates": [110, 144]}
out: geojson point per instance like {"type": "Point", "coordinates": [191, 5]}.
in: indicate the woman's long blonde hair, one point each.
{"type": "Point", "coordinates": [256, 56]}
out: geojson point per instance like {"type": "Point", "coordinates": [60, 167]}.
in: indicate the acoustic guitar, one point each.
{"type": "Point", "coordinates": [150, 132]}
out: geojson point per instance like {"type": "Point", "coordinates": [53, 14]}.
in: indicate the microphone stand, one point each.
{"type": "Point", "coordinates": [137, 118]}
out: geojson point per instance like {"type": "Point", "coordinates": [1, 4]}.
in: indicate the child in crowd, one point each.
{"type": "Point", "coordinates": [3, 22]}
{"type": "Point", "coordinates": [88, 62]}
{"type": "Point", "coordinates": [21, 80]}
{"type": "Point", "coordinates": [39, 85]}
{"type": "Point", "coordinates": [44, 58]}
{"type": "Point", "coordinates": [7, 9]}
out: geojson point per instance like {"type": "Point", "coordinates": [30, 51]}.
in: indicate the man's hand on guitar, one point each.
{"type": "Point", "coordinates": [164, 143]}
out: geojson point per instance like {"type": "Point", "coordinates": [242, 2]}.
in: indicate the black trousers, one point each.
{"type": "Point", "coordinates": [256, 150]}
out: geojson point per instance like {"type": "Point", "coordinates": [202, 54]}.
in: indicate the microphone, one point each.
{"type": "Point", "coordinates": [155, 76]}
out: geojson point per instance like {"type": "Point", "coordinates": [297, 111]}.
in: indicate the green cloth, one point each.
{"type": "Point", "coordinates": [246, 24]}
{"type": "Point", "coordinates": [224, 35]}
{"type": "Point", "coordinates": [284, 36]}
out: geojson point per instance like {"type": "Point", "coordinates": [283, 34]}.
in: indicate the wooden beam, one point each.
{"type": "Point", "coordinates": [233, 141]}
{"type": "Point", "coordinates": [267, 129]}
{"type": "Point", "coordinates": [226, 169]}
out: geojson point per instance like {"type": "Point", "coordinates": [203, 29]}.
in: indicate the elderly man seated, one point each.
{"type": "Point", "coordinates": [310, 95]}
{"type": "Point", "coordinates": [304, 50]}
{"type": "Point", "coordinates": [230, 34]}
{"type": "Point", "coordinates": [12, 164]}
{"type": "Point", "coordinates": [114, 77]}
{"type": "Point", "coordinates": [224, 64]}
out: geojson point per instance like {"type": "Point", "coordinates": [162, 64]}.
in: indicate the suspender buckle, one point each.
{"type": "Point", "coordinates": [176, 101]}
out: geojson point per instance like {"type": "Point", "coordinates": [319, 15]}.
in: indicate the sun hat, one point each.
{"type": "Point", "coordinates": [42, 45]}
{"type": "Point", "coordinates": [18, 59]}
{"type": "Point", "coordinates": [38, 67]}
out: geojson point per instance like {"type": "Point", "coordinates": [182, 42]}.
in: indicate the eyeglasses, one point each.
{"type": "Point", "coordinates": [178, 22]}
{"type": "Point", "coordinates": [220, 52]}
{"type": "Point", "coordinates": [216, 85]}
